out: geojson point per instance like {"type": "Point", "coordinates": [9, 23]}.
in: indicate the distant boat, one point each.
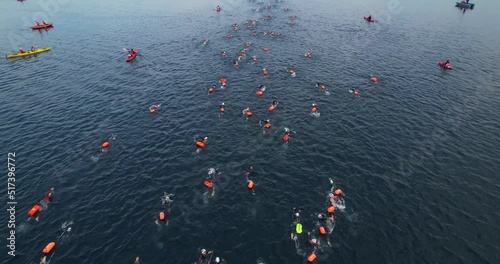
{"type": "Point", "coordinates": [465, 5]}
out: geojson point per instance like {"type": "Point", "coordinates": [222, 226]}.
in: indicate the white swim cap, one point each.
{"type": "Point", "coordinates": [206, 138]}
{"type": "Point", "coordinates": [217, 260]}
{"type": "Point", "coordinates": [330, 194]}
{"type": "Point", "coordinates": [297, 214]}
{"type": "Point", "coordinates": [203, 251]}
{"type": "Point", "coordinates": [313, 240]}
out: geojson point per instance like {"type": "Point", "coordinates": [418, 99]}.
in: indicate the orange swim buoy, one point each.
{"type": "Point", "coordinates": [32, 212]}
{"type": "Point", "coordinates": [285, 138]}
{"type": "Point", "coordinates": [265, 73]}
{"type": "Point", "coordinates": [249, 114]}
{"type": "Point", "coordinates": [259, 93]}
{"type": "Point", "coordinates": [330, 209]}
{"type": "Point", "coordinates": [248, 45]}
{"type": "Point", "coordinates": [271, 108]}
{"type": "Point", "coordinates": [292, 72]}
{"type": "Point", "coordinates": [268, 125]}
{"type": "Point", "coordinates": [374, 80]}
{"type": "Point", "coordinates": [265, 49]}
{"type": "Point", "coordinates": [311, 258]}
{"type": "Point", "coordinates": [356, 93]}
{"type": "Point", "coordinates": [254, 59]}
{"type": "Point", "coordinates": [250, 185]}
{"type": "Point", "coordinates": [313, 110]}
{"type": "Point", "coordinates": [161, 216]}
{"type": "Point", "coordinates": [211, 90]}
{"type": "Point", "coordinates": [152, 110]}
{"type": "Point", "coordinates": [338, 192]}
{"type": "Point", "coordinates": [323, 87]}
{"type": "Point", "coordinates": [222, 110]}
{"type": "Point", "coordinates": [105, 144]}
{"type": "Point", "coordinates": [208, 184]}
{"type": "Point", "coordinates": [200, 144]}
{"type": "Point", "coordinates": [49, 247]}
{"type": "Point", "coordinates": [228, 36]}
{"type": "Point", "coordinates": [223, 54]}
{"type": "Point", "coordinates": [322, 230]}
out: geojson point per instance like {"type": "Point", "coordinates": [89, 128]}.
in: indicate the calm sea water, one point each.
{"type": "Point", "coordinates": [416, 154]}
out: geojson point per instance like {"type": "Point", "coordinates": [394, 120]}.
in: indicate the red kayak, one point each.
{"type": "Point", "coordinates": [369, 20]}
{"type": "Point", "coordinates": [43, 26]}
{"type": "Point", "coordinates": [446, 67]}
{"type": "Point", "coordinates": [132, 56]}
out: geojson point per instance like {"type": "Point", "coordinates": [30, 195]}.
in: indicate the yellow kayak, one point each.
{"type": "Point", "coordinates": [27, 53]}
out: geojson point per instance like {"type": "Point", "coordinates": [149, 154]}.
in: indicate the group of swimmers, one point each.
{"type": "Point", "coordinates": [325, 224]}
{"type": "Point", "coordinates": [34, 213]}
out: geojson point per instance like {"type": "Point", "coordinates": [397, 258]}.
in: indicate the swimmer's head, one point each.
{"type": "Point", "coordinates": [217, 260]}
{"type": "Point", "coordinates": [314, 240]}
{"type": "Point", "coordinates": [203, 251]}
{"type": "Point", "coordinates": [205, 138]}
{"type": "Point", "coordinates": [330, 195]}
{"type": "Point", "coordinates": [297, 215]}
{"type": "Point", "coordinates": [320, 216]}
{"type": "Point", "coordinates": [69, 229]}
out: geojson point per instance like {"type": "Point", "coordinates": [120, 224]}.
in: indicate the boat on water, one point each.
{"type": "Point", "coordinates": [27, 53]}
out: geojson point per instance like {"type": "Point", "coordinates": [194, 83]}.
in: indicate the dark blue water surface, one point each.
{"type": "Point", "coordinates": [416, 154]}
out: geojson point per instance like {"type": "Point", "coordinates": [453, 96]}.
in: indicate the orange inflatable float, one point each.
{"type": "Point", "coordinates": [311, 258]}
{"type": "Point", "coordinates": [32, 212]}
{"type": "Point", "coordinates": [322, 230]}
{"type": "Point", "coordinates": [105, 144]}
{"type": "Point", "coordinates": [161, 216]}
{"type": "Point", "coordinates": [49, 248]}
{"type": "Point", "coordinates": [331, 209]}
{"type": "Point", "coordinates": [250, 185]}
{"type": "Point", "coordinates": [200, 144]}
{"type": "Point", "coordinates": [208, 184]}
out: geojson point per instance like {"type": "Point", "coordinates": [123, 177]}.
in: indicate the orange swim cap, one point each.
{"type": "Point", "coordinates": [323, 87]}
{"type": "Point", "coordinates": [211, 90]}
{"type": "Point", "coordinates": [259, 93]}
{"type": "Point", "coordinates": [374, 80]}
{"type": "Point", "coordinates": [265, 49]}
{"type": "Point", "coordinates": [271, 108]}
{"type": "Point", "coordinates": [330, 209]}
{"type": "Point", "coordinates": [292, 72]}
{"type": "Point", "coordinates": [265, 72]}
{"type": "Point", "coordinates": [267, 125]}
{"type": "Point", "coordinates": [105, 145]}
{"type": "Point", "coordinates": [249, 114]}
{"type": "Point", "coordinates": [161, 216]}
{"type": "Point", "coordinates": [222, 110]}
{"type": "Point", "coordinates": [338, 192]}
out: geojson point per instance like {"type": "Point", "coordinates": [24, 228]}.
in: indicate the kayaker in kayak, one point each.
{"type": "Point", "coordinates": [33, 48]}
{"type": "Point", "coordinates": [36, 22]}
{"type": "Point", "coordinates": [369, 18]}
{"type": "Point", "coordinates": [447, 62]}
{"type": "Point", "coordinates": [131, 52]}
